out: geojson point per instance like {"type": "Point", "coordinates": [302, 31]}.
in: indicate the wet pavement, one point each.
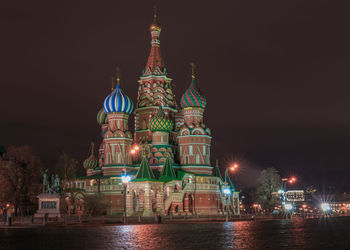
{"type": "Point", "coordinates": [326, 233]}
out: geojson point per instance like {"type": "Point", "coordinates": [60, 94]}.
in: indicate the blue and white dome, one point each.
{"type": "Point", "coordinates": [117, 101]}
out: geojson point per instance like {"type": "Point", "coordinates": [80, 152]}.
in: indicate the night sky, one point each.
{"type": "Point", "coordinates": [275, 74]}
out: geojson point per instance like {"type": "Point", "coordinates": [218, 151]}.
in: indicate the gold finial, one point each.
{"type": "Point", "coordinates": [155, 13]}
{"type": "Point", "coordinates": [92, 148]}
{"type": "Point", "coordinates": [112, 83]}
{"type": "Point", "coordinates": [193, 67]}
{"type": "Point", "coordinates": [155, 26]}
{"type": "Point", "coordinates": [118, 75]}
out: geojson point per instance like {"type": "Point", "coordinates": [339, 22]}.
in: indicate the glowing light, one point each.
{"type": "Point", "coordinates": [325, 207]}
{"type": "Point", "coordinates": [234, 167]}
{"type": "Point", "coordinates": [126, 179]}
{"type": "Point", "coordinates": [136, 147]}
{"type": "Point", "coordinates": [292, 180]}
{"type": "Point", "coordinates": [132, 151]}
{"type": "Point", "coordinates": [7, 205]}
{"type": "Point", "coordinates": [281, 191]}
{"type": "Point", "coordinates": [227, 191]}
{"type": "Point", "coordinates": [288, 206]}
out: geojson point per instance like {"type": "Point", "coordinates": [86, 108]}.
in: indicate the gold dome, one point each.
{"type": "Point", "coordinates": [155, 26]}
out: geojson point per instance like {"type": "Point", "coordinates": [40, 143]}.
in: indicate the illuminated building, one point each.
{"type": "Point", "coordinates": [168, 156]}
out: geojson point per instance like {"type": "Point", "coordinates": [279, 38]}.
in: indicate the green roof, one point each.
{"type": "Point", "coordinates": [217, 172]}
{"type": "Point", "coordinates": [168, 173]}
{"type": "Point", "coordinates": [144, 171]}
{"type": "Point", "coordinates": [230, 183]}
{"type": "Point", "coordinates": [181, 174]}
{"type": "Point", "coordinates": [94, 176]}
{"type": "Point", "coordinates": [145, 179]}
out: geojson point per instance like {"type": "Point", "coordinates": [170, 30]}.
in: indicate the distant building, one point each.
{"type": "Point", "coordinates": [295, 195]}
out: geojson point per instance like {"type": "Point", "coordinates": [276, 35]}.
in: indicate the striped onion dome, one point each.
{"type": "Point", "coordinates": [160, 122]}
{"type": "Point", "coordinates": [193, 98]}
{"type": "Point", "coordinates": [91, 162]}
{"type": "Point", "coordinates": [117, 101]}
{"type": "Point", "coordinates": [102, 117]}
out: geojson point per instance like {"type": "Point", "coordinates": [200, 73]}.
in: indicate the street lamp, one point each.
{"type": "Point", "coordinates": [288, 207]}
{"type": "Point", "coordinates": [227, 192]}
{"type": "Point", "coordinates": [232, 168]}
{"type": "Point", "coordinates": [290, 180]}
{"type": "Point", "coordinates": [325, 207]}
{"type": "Point", "coordinates": [134, 149]}
{"type": "Point", "coordinates": [227, 189]}
{"type": "Point", "coordinates": [125, 180]}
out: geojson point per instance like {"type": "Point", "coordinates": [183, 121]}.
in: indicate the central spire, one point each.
{"type": "Point", "coordinates": [155, 64]}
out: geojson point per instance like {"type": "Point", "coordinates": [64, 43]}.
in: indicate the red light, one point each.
{"type": "Point", "coordinates": [7, 205]}
{"type": "Point", "coordinates": [234, 167]}
{"type": "Point", "coordinates": [132, 151]}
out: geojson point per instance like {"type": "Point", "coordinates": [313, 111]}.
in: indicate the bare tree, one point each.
{"type": "Point", "coordinates": [20, 177]}
{"type": "Point", "coordinates": [269, 183]}
{"type": "Point", "coordinates": [66, 167]}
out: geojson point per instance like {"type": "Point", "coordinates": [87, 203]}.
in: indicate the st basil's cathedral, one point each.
{"type": "Point", "coordinates": [168, 156]}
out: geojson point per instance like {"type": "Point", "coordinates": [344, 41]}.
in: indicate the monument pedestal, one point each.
{"type": "Point", "coordinates": [49, 205]}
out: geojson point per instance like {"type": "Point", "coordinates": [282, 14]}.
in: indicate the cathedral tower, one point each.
{"type": "Point", "coordinates": [155, 89]}
{"type": "Point", "coordinates": [160, 126]}
{"type": "Point", "coordinates": [117, 139]}
{"type": "Point", "coordinates": [194, 137]}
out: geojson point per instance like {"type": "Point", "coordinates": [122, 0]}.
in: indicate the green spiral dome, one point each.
{"type": "Point", "coordinates": [160, 122]}
{"type": "Point", "coordinates": [102, 117]}
{"type": "Point", "coordinates": [91, 162]}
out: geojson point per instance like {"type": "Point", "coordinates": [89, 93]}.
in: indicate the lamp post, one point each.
{"type": "Point", "coordinates": [125, 180]}
{"type": "Point", "coordinates": [290, 180]}
{"type": "Point", "coordinates": [227, 192]}
{"type": "Point", "coordinates": [232, 168]}
{"type": "Point", "coordinates": [227, 189]}
{"type": "Point", "coordinates": [288, 207]}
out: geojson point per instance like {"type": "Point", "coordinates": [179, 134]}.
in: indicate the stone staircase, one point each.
{"type": "Point", "coordinates": [173, 197]}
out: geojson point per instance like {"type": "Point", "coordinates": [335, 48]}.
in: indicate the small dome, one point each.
{"type": "Point", "coordinates": [102, 117]}
{"type": "Point", "coordinates": [91, 162]}
{"type": "Point", "coordinates": [117, 101]}
{"type": "Point", "coordinates": [160, 122]}
{"type": "Point", "coordinates": [193, 98]}
{"type": "Point", "coordinates": [155, 26]}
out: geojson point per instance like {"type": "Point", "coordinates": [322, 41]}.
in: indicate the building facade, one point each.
{"type": "Point", "coordinates": [167, 156]}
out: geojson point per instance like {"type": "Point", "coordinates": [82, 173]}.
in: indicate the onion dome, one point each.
{"type": "Point", "coordinates": [91, 162]}
{"type": "Point", "coordinates": [192, 98]}
{"type": "Point", "coordinates": [102, 117]}
{"type": "Point", "coordinates": [155, 26]}
{"type": "Point", "coordinates": [117, 101]}
{"type": "Point", "coordinates": [160, 122]}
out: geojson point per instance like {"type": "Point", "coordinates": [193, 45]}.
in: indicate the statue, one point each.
{"type": "Point", "coordinates": [57, 184]}
{"type": "Point", "coordinates": [46, 183]}
{"type": "Point", "coordinates": [52, 181]}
